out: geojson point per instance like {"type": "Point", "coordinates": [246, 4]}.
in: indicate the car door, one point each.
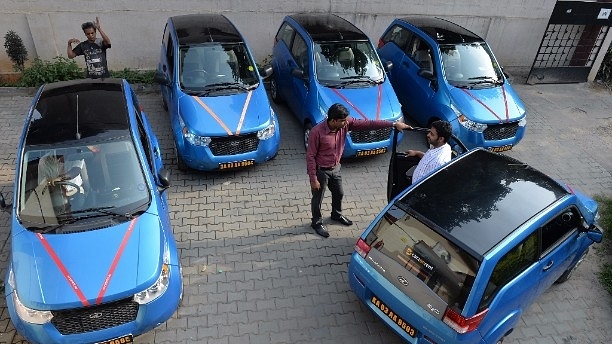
{"type": "Point", "coordinates": [415, 91]}
{"type": "Point", "coordinates": [166, 65]}
{"type": "Point", "coordinates": [282, 61]}
{"type": "Point", "coordinates": [299, 85]}
{"type": "Point", "coordinates": [559, 245]}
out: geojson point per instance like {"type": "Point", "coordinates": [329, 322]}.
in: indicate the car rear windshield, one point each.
{"type": "Point", "coordinates": [441, 266]}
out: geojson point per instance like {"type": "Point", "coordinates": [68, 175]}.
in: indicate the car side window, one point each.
{"type": "Point", "coordinates": [558, 228]}
{"type": "Point", "coordinates": [285, 34]}
{"type": "Point", "coordinates": [398, 35]}
{"type": "Point", "coordinates": [510, 266]}
{"type": "Point", "coordinates": [170, 55]}
{"type": "Point", "coordinates": [420, 52]}
{"type": "Point", "coordinates": [300, 51]}
{"type": "Point", "coordinates": [144, 140]}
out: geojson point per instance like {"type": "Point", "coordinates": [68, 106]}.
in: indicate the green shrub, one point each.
{"type": "Point", "coordinates": [605, 211]}
{"type": "Point", "coordinates": [15, 50]}
{"type": "Point", "coordinates": [134, 76]}
{"type": "Point", "coordinates": [41, 72]}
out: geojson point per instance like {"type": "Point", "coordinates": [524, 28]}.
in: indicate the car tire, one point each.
{"type": "Point", "coordinates": [569, 272]}
{"type": "Point", "coordinates": [307, 129]}
{"type": "Point", "coordinates": [274, 92]}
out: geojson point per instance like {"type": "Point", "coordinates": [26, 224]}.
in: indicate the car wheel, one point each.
{"type": "Point", "coordinates": [307, 129]}
{"type": "Point", "coordinates": [180, 163]}
{"type": "Point", "coordinates": [569, 272]}
{"type": "Point", "coordinates": [274, 92]}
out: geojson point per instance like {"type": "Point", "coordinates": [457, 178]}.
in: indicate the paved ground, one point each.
{"type": "Point", "coordinates": [256, 273]}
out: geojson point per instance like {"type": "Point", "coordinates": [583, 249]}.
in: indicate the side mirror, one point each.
{"type": "Point", "coordinates": [161, 78]}
{"type": "Point", "coordinates": [595, 233]}
{"type": "Point", "coordinates": [164, 178]}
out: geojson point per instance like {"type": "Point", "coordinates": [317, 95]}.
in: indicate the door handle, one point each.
{"type": "Point", "coordinates": [549, 265]}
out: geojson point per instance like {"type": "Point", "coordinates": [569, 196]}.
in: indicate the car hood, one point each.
{"type": "Point", "coordinates": [377, 102]}
{"type": "Point", "coordinates": [498, 104]}
{"type": "Point", "coordinates": [223, 115]}
{"type": "Point", "coordinates": [104, 264]}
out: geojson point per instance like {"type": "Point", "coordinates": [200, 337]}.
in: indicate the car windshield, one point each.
{"type": "Point", "coordinates": [413, 246]}
{"type": "Point", "coordinates": [470, 64]}
{"type": "Point", "coordinates": [340, 64]}
{"type": "Point", "coordinates": [63, 185]}
{"type": "Point", "coordinates": [217, 65]}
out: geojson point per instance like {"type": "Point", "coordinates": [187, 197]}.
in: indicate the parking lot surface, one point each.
{"type": "Point", "coordinates": [255, 272]}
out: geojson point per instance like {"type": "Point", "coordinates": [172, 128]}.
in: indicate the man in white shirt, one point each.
{"type": "Point", "coordinates": [439, 152]}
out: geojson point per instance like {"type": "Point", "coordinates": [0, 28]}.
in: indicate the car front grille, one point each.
{"type": "Point", "coordinates": [95, 318]}
{"type": "Point", "coordinates": [232, 145]}
{"type": "Point", "coordinates": [367, 136]}
{"type": "Point", "coordinates": [500, 131]}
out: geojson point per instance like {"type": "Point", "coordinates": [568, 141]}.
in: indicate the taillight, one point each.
{"type": "Point", "coordinates": [362, 248]}
{"type": "Point", "coordinates": [380, 43]}
{"type": "Point", "coordinates": [461, 324]}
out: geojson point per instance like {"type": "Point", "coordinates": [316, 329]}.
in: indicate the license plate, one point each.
{"type": "Point", "coordinates": [372, 152]}
{"type": "Point", "coordinates": [119, 340]}
{"type": "Point", "coordinates": [236, 164]}
{"type": "Point", "coordinates": [403, 324]}
{"type": "Point", "coordinates": [501, 149]}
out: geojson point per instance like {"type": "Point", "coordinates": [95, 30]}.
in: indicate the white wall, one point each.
{"type": "Point", "coordinates": [513, 28]}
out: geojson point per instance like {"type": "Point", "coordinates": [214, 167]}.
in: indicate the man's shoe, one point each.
{"type": "Point", "coordinates": [343, 220]}
{"type": "Point", "coordinates": [321, 230]}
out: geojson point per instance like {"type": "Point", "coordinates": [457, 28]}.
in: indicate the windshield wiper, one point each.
{"type": "Point", "coordinates": [228, 85]}
{"type": "Point", "coordinates": [485, 80]}
{"type": "Point", "coordinates": [100, 211]}
{"type": "Point", "coordinates": [348, 80]}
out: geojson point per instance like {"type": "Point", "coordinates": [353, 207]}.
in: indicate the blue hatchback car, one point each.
{"type": "Point", "coordinates": [93, 257]}
{"type": "Point", "coordinates": [443, 71]}
{"type": "Point", "coordinates": [459, 256]}
{"type": "Point", "coordinates": [219, 110]}
{"type": "Point", "coordinates": [321, 59]}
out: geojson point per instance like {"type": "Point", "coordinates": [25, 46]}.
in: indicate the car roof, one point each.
{"type": "Point", "coordinates": [86, 106]}
{"type": "Point", "coordinates": [442, 30]}
{"type": "Point", "coordinates": [480, 198]}
{"type": "Point", "coordinates": [326, 27]}
{"type": "Point", "coordinates": [204, 28]}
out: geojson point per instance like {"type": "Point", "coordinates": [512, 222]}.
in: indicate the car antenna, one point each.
{"type": "Point", "coordinates": [78, 135]}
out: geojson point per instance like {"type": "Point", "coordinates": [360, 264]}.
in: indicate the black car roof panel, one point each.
{"type": "Point", "coordinates": [87, 107]}
{"type": "Point", "coordinates": [325, 27]}
{"type": "Point", "coordinates": [443, 31]}
{"type": "Point", "coordinates": [482, 197]}
{"type": "Point", "coordinates": [204, 28]}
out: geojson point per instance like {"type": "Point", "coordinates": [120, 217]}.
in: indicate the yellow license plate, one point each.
{"type": "Point", "coordinates": [403, 324]}
{"type": "Point", "coordinates": [372, 152]}
{"type": "Point", "coordinates": [236, 164]}
{"type": "Point", "coordinates": [501, 149]}
{"type": "Point", "coordinates": [119, 340]}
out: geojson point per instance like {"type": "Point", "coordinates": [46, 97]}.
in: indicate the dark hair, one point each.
{"type": "Point", "coordinates": [443, 128]}
{"type": "Point", "coordinates": [337, 111]}
{"type": "Point", "coordinates": [88, 25]}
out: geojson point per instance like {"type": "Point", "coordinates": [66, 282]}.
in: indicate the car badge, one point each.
{"type": "Point", "coordinates": [96, 315]}
{"type": "Point", "coordinates": [402, 280]}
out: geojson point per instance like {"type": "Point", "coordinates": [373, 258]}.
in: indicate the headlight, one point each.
{"type": "Point", "coordinates": [193, 138]}
{"type": "Point", "coordinates": [468, 123]}
{"type": "Point", "coordinates": [268, 132]}
{"type": "Point", "coordinates": [26, 314]}
{"type": "Point", "coordinates": [159, 287]}
{"type": "Point", "coordinates": [523, 122]}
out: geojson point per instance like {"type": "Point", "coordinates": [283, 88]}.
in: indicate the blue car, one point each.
{"type": "Point", "coordinates": [93, 257]}
{"type": "Point", "coordinates": [321, 59]}
{"type": "Point", "coordinates": [459, 256]}
{"type": "Point", "coordinates": [219, 110]}
{"type": "Point", "coordinates": [443, 71]}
